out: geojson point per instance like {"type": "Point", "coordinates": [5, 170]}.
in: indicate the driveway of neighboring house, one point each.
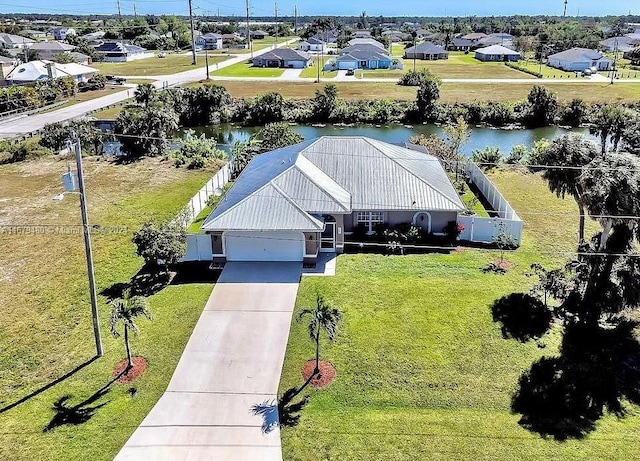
{"type": "Point", "coordinates": [232, 361]}
{"type": "Point", "coordinates": [289, 74]}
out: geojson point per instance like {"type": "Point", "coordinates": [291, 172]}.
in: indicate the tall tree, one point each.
{"type": "Point", "coordinates": [145, 94]}
{"type": "Point", "coordinates": [427, 97]}
{"type": "Point", "coordinates": [611, 123]}
{"type": "Point", "coordinates": [563, 161]}
{"type": "Point", "coordinates": [125, 311]}
{"type": "Point", "coordinates": [543, 106]}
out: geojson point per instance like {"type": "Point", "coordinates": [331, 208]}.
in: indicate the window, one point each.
{"type": "Point", "coordinates": [370, 219]}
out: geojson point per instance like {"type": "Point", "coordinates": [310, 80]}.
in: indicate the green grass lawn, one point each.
{"type": "Point", "coordinates": [312, 71]}
{"type": "Point", "coordinates": [269, 42]}
{"type": "Point", "coordinates": [46, 330]}
{"type": "Point", "coordinates": [171, 64]}
{"type": "Point", "coordinates": [459, 65]}
{"type": "Point", "coordinates": [547, 72]}
{"type": "Point", "coordinates": [245, 69]}
{"type": "Point", "coordinates": [422, 370]}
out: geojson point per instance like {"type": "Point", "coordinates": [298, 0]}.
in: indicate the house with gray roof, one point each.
{"type": "Point", "coordinates": [122, 52]}
{"type": "Point", "coordinates": [579, 59]}
{"type": "Point", "coordinates": [364, 56]}
{"type": "Point", "coordinates": [500, 38]}
{"type": "Point", "coordinates": [366, 41]}
{"type": "Point", "coordinates": [313, 44]}
{"type": "Point", "coordinates": [10, 41]}
{"type": "Point", "coordinates": [47, 50]}
{"type": "Point", "coordinates": [294, 203]}
{"type": "Point", "coordinates": [462, 44]}
{"type": "Point", "coordinates": [621, 44]}
{"type": "Point", "coordinates": [283, 57]}
{"type": "Point", "coordinates": [426, 51]}
{"type": "Point", "coordinates": [497, 53]}
{"type": "Point", "coordinates": [210, 41]}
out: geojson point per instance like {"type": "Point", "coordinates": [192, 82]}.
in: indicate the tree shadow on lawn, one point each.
{"type": "Point", "coordinates": [564, 397]}
{"type": "Point", "coordinates": [283, 414]}
{"type": "Point", "coordinates": [82, 412]}
{"type": "Point", "coordinates": [522, 316]}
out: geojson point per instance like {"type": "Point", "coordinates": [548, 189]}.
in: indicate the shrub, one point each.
{"type": "Point", "coordinates": [197, 151]}
{"type": "Point", "coordinates": [415, 77]}
{"type": "Point", "coordinates": [166, 242]}
{"type": "Point", "coordinates": [575, 113]}
{"type": "Point", "coordinates": [523, 69]}
{"type": "Point", "coordinates": [487, 158]}
{"type": "Point", "coordinates": [517, 155]}
{"type": "Point", "coordinates": [278, 135]}
{"type": "Point", "coordinates": [453, 230]}
{"type": "Point", "coordinates": [12, 152]}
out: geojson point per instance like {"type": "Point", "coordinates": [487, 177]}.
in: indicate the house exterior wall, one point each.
{"type": "Point", "coordinates": [579, 66]}
{"type": "Point", "coordinates": [426, 56]}
{"type": "Point", "coordinates": [497, 57]}
{"type": "Point", "coordinates": [439, 219]}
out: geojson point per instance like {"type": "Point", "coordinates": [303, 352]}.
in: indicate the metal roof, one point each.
{"type": "Point", "coordinates": [366, 41]}
{"type": "Point", "coordinates": [577, 54]}
{"type": "Point", "coordinates": [497, 50]}
{"type": "Point", "coordinates": [282, 189]}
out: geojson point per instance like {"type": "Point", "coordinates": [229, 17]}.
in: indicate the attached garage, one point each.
{"type": "Point", "coordinates": [264, 246]}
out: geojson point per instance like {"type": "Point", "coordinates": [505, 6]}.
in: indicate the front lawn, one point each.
{"type": "Point", "coordinates": [422, 370]}
{"type": "Point", "coordinates": [312, 71]}
{"type": "Point", "coordinates": [246, 69]}
{"type": "Point", "coordinates": [46, 331]}
{"type": "Point", "coordinates": [171, 64]}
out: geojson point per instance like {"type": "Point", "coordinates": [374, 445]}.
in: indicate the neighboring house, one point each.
{"type": "Point", "coordinates": [259, 34]}
{"type": "Point", "coordinates": [462, 44]}
{"type": "Point", "coordinates": [47, 50]}
{"type": "Point", "coordinates": [497, 53]}
{"type": "Point", "coordinates": [497, 39]}
{"type": "Point", "coordinates": [6, 66]}
{"type": "Point", "coordinates": [365, 57]}
{"type": "Point", "coordinates": [362, 34]}
{"type": "Point", "coordinates": [41, 70]}
{"type": "Point", "coordinates": [122, 52]}
{"type": "Point", "coordinates": [621, 44]}
{"type": "Point", "coordinates": [283, 57]}
{"type": "Point", "coordinates": [426, 51]}
{"type": "Point", "coordinates": [293, 203]}
{"type": "Point", "coordinates": [80, 58]}
{"type": "Point", "coordinates": [93, 37]}
{"type": "Point", "coordinates": [61, 33]}
{"type": "Point", "coordinates": [34, 33]}
{"type": "Point", "coordinates": [313, 44]}
{"type": "Point", "coordinates": [366, 41]}
{"type": "Point", "coordinates": [423, 34]}
{"type": "Point", "coordinates": [210, 41]}
{"type": "Point", "coordinates": [330, 36]}
{"type": "Point", "coordinates": [474, 36]}
{"type": "Point", "coordinates": [10, 41]}
{"type": "Point", "coordinates": [579, 59]}
{"type": "Point", "coordinates": [633, 56]}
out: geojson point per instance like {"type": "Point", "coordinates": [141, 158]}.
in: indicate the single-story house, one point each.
{"type": "Point", "coordinates": [330, 36]}
{"type": "Point", "coordinates": [33, 71]}
{"type": "Point", "coordinates": [259, 34]}
{"type": "Point", "coordinates": [497, 53]}
{"type": "Point", "coordinates": [34, 33]}
{"type": "Point", "coordinates": [47, 50]}
{"type": "Point", "coordinates": [366, 41]}
{"type": "Point", "coordinates": [283, 57]}
{"type": "Point", "coordinates": [503, 39]}
{"type": "Point", "coordinates": [122, 52]}
{"type": "Point", "coordinates": [293, 203]}
{"type": "Point", "coordinates": [209, 41]}
{"type": "Point", "coordinates": [362, 34]}
{"type": "Point", "coordinates": [579, 59]}
{"type": "Point", "coordinates": [426, 51]}
{"type": "Point", "coordinates": [94, 36]}
{"type": "Point", "coordinates": [423, 34]}
{"type": "Point", "coordinates": [461, 44]}
{"type": "Point", "coordinates": [365, 57]}
{"type": "Point", "coordinates": [61, 33]}
{"type": "Point", "coordinates": [313, 44]}
{"type": "Point", "coordinates": [474, 36]}
{"type": "Point", "coordinates": [80, 58]}
{"type": "Point", "coordinates": [622, 44]}
{"type": "Point", "coordinates": [10, 41]}
{"type": "Point", "coordinates": [6, 66]}
{"type": "Point", "coordinates": [634, 56]}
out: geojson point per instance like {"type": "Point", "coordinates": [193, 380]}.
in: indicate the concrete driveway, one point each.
{"type": "Point", "coordinates": [232, 361]}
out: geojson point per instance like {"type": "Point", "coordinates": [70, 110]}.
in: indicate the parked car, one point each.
{"type": "Point", "coordinates": [351, 72]}
{"type": "Point", "coordinates": [162, 54]}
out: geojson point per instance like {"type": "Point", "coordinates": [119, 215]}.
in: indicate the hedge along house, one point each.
{"type": "Point", "coordinates": [292, 204]}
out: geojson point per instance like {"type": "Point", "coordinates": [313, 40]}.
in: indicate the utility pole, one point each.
{"type": "Point", "coordinates": [615, 60]}
{"type": "Point", "coordinates": [87, 246]}
{"type": "Point", "coordinates": [249, 41]}
{"type": "Point", "coordinates": [193, 37]}
{"type": "Point", "coordinates": [135, 13]}
{"type": "Point", "coordinates": [295, 19]}
{"type": "Point", "coordinates": [276, 18]}
{"type": "Point", "coordinates": [120, 21]}
{"type": "Point", "coordinates": [206, 60]}
{"type": "Point", "coordinates": [566, 2]}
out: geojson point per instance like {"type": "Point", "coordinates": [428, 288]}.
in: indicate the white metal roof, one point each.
{"type": "Point", "coordinates": [37, 70]}
{"type": "Point", "coordinates": [282, 189]}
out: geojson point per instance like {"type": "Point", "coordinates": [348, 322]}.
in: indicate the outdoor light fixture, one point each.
{"type": "Point", "coordinates": [217, 192]}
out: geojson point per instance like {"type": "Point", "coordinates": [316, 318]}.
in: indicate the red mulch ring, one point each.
{"type": "Point", "coordinates": [139, 366]}
{"type": "Point", "coordinates": [506, 265]}
{"type": "Point", "coordinates": [322, 379]}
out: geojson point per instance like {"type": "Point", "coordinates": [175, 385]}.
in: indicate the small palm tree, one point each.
{"type": "Point", "coordinates": [125, 310]}
{"type": "Point", "coordinates": [323, 317]}
{"type": "Point", "coordinates": [145, 94]}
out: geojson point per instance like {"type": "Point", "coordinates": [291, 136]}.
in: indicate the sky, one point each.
{"type": "Point", "coordinates": [330, 7]}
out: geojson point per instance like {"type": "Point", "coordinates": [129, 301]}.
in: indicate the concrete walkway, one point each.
{"type": "Point", "coordinates": [232, 361]}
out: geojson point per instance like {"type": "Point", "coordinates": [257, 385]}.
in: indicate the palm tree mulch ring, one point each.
{"type": "Point", "coordinates": [139, 366]}
{"type": "Point", "coordinates": [322, 379]}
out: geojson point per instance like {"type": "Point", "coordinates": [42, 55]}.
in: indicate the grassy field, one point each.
{"type": "Point", "coordinates": [86, 96]}
{"type": "Point", "coordinates": [46, 330]}
{"type": "Point", "coordinates": [449, 92]}
{"type": "Point", "coordinates": [245, 69]}
{"type": "Point", "coordinates": [459, 65]}
{"type": "Point", "coordinates": [422, 370]}
{"type": "Point", "coordinates": [172, 64]}
{"type": "Point", "coordinates": [312, 71]}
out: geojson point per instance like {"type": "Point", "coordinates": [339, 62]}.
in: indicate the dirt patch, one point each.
{"type": "Point", "coordinates": [139, 366]}
{"type": "Point", "coordinates": [322, 379]}
{"type": "Point", "coordinates": [506, 265]}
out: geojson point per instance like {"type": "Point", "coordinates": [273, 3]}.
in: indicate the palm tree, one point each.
{"type": "Point", "coordinates": [323, 317]}
{"type": "Point", "coordinates": [125, 310]}
{"type": "Point", "coordinates": [564, 159]}
{"type": "Point", "coordinates": [145, 94]}
{"type": "Point", "coordinates": [611, 123]}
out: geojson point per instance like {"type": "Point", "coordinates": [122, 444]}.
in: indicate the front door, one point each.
{"type": "Point", "coordinates": [328, 238]}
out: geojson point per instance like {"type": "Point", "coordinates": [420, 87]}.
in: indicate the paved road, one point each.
{"type": "Point", "coordinates": [21, 126]}
{"type": "Point", "coordinates": [232, 361]}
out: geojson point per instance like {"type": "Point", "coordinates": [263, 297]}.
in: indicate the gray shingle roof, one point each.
{"type": "Point", "coordinates": [427, 48]}
{"type": "Point", "coordinates": [283, 189]}
{"type": "Point", "coordinates": [285, 54]}
{"type": "Point", "coordinates": [577, 54]}
{"type": "Point", "coordinates": [366, 41]}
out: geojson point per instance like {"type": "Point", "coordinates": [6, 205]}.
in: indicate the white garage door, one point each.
{"type": "Point", "coordinates": [264, 246]}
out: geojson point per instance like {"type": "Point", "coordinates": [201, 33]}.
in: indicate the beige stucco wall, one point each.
{"type": "Point", "coordinates": [439, 219]}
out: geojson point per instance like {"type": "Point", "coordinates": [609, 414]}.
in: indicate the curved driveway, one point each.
{"type": "Point", "coordinates": [232, 361]}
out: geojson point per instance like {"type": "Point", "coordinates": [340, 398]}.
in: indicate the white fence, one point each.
{"type": "Point", "coordinates": [199, 201]}
{"type": "Point", "coordinates": [477, 229]}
